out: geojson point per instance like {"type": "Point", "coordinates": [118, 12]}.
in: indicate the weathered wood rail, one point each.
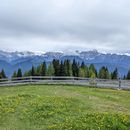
{"type": "Point", "coordinates": [116, 84]}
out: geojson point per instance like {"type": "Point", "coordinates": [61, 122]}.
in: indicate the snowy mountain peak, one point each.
{"type": "Point", "coordinates": [11, 61]}
{"type": "Point", "coordinates": [91, 52]}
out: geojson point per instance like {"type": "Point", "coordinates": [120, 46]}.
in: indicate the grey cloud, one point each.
{"type": "Point", "coordinates": [95, 24]}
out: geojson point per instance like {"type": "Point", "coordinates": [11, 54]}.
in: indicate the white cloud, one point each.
{"type": "Point", "coordinates": [61, 24]}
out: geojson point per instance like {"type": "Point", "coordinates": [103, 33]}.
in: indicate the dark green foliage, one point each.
{"type": "Point", "coordinates": [114, 74]}
{"type": "Point", "coordinates": [128, 75]}
{"type": "Point", "coordinates": [50, 70]}
{"type": "Point", "coordinates": [92, 71]}
{"type": "Point", "coordinates": [43, 69]}
{"type": "Point", "coordinates": [38, 70]}
{"type": "Point", "coordinates": [19, 73]}
{"type": "Point", "coordinates": [83, 65]}
{"type": "Point", "coordinates": [124, 77]}
{"type": "Point", "coordinates": [75, 68]}
{"type": "Point", "coordinates": [3, 74]}
{"type": "Point", "coordinates": [68, 68]}
{"type": "Point", "coordinates": [0, 76]}
{"type": "Point", "coordinates": [33, 73]}
{"type": "Point", "coordinates": [83, 70]}
{"type": "Point", "coordinates": [14, 74]}
{"type": "Point", "coordinates": [62, 69]}
{"type": "Point", "coordinates": [56, 64]}
{"type": "Point", "coordinates": [104, 73]}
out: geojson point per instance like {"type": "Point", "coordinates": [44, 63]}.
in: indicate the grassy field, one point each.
{"type": "Point", "coordinates": [60, 107]}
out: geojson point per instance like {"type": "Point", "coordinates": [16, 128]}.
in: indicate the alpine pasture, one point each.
{"type": "Point", "coordinates": [63, 107]}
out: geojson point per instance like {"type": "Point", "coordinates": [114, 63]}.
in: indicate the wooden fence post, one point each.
{"type": "Point", "coordinates": [119, 83]}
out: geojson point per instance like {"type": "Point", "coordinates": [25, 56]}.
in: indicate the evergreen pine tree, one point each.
{"type": "Point", "coordinates": [33, 71]}
{"type": "Point", "coordinates": [28, 73]}
{"type": "Point", "coordinates": [92, 71]}
{"type": "Point", "coordinates": [50, 70]}
{"type": "Point", "coordinates": [68, 68]}
{"type": "Point", "coordinates": [128, 75]}
{"type": "Point", "coordinates": [81, 72]}
{"type": "Point", "coordinates": [103, 73]}
{"type": "Point", "coordinates": [56, 65]}
{"type": "Point", "coordinates": [19, 73]}
{"type": "Point", "coordinates": [3, 74]}
{"type": "Point", "coordinates": [86, 71]}
{"type": "Point", "coordinates": [75, 68]}
{"type": "Point", "coordinates": [107, 76]}
{"type": "Point", "coordinates": [82, 65]}
{"type": "Point", "coordinates": [38, 70]}
{"type": "Point", "coordinates": [43, 69]}
{"type": "Point", "coordinates": [0, 76]}
{"type": "Point", "coordinates": [124, 77]}
{"type": "Point", "coordinates": [92, 74]}
{"type": "Point", "coordinates": [14, 74]}
{"type": "Point", "coordinates": [62, 69]}
{"type": "Point", "coordinates": [114, 74]}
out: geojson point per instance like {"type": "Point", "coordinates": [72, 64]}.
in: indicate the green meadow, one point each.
{"type": "Point", "coordinates": [63, 107]}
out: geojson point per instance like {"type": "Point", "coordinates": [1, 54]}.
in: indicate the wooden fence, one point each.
{"type": "Point", "coordinates": [116, 84]}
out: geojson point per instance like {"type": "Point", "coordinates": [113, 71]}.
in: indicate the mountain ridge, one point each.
{"type": "Point", "coordinates": [11, 61]}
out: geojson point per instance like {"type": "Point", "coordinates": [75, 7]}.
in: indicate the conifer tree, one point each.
{"type": "Point", "coordinates": [124, 77]}
{"type": "Point", "coordinates": [50, 70]}
{"type": "Point", "coordinates": [103, 73]}
{"type": "Point", "coordinates": [29, 73]}
{"type": "Point", "coordinates": [92, 71]}
{"type": "Point", "coordinates": [86, 71]}
{"type": "Point", "coordinates": [81, 72]}
{"type": "Point", "coordinates": [33, 71]}
{"type": "Point", "coordinates": [68, 68]}
{"type": "Point", "coordinates": [14, 74]}
{"type": "Point", "coordinates": [3, 74]}
{"type": "Point", "coordinates": [19, 73]}
{"type": "Point", "coordinates": [38, 70]}
{"type": "Point", "coordinates": [92, 74]}
{"type": "Point", "coordinates": [114, 74]}
{"type": "Point", "coordinates": [82, 65]}
{"type": "Point", "coordinates": [107, 76]}
{"type": "Point", "coordinates": [128, 75]}
{"type": "Point", "coordinates": [75, 68]}
{"type": "Point", "coordinates": [0, 76]}
{"type": "Point", "coordinates": [56, 65]}
{"type": "Point", "coordinates": [43, 69]}
{"type": "Point", "coordinates": [62, 69]}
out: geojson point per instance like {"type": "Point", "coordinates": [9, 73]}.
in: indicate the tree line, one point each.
{"type": "Point", "coordinates": [67, 68]}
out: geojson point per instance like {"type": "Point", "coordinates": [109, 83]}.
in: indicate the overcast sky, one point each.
{"type": "Point", "coordinates": [61, 25]}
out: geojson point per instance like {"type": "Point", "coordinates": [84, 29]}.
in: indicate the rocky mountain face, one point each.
{"type": "Point", "coordinates": [11, 61]}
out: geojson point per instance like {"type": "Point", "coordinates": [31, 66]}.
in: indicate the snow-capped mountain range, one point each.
{"type": "Point", "coordinates": [11, 61]}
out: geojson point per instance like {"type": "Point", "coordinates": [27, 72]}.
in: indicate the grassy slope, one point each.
{"type": "Point", "coordinates": [39, 107]}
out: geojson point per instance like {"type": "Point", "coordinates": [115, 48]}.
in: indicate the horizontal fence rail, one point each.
{"type": "Point", "coordinates": [104, 83]}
